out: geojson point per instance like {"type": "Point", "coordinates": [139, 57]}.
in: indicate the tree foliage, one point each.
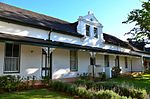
{"type": "Point", "coordinates": [141, 18]}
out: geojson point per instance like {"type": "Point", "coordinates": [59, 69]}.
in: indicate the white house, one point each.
{"type": "Point", "coordinates": [33, 44]}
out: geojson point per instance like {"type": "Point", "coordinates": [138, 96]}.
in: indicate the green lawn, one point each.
{"type": "Point", "coordinates": [34, 94]}
{"type": "Point", "coordinates": [142, 82]}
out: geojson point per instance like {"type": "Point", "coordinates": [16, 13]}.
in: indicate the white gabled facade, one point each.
{"type": "Point", "coordinates": [81, 28]}
{"type": "Point", "coordinates": [32, 60]}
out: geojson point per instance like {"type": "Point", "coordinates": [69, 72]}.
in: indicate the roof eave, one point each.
{"type": "Point", "coordinates": [39, 27]}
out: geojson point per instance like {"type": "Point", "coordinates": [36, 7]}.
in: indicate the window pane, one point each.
{"type": "Point", "coordinates": [87, 30]}
{"type": "Point", "coordinates": [16, 50]}
{"type": "Point", "coordinates": [106, 59]}
{"type": "Point", "coordinates": [73, 61]}
{"type": "Point", "coordinates": [11, 60]}
{"type": "Point", "coordinates": [95, 32]}
{"type": "Point", "coordinates": [126, 62]}
{"type": "Point", "coordinates": [92, 61]}
{"type": "Point", "coordinates": [8, 50]}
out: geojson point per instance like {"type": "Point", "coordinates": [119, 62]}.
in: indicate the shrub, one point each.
{"type": "Point", "coordinates": [46, 81]}
{"type": "Point", "coordinates": [11, 83]}
{"type": "Point", "coordinates": [65, 87]}
{"type": "Point", "coordinates": [83, 92]}
{"type": "Point", "coordinates": [57, 85]}
{"type": "Point", "coordinates": [89, 84]}
{"type": "Point", "coordinates": [84, 83]}
{"type": "Point", "coordinates": [147, 71]}
{"type": "Point", "coordinates": [115, 71]}
{"type": "Point", "coordinates": [80, 82]}
{"type": "Point", "coordinates": [139, 94]}
{"type": "Point", "coordinates": [108, 94]}
{"type": "Point", "coordinates": [102, 76]}
{"type": "Point", "coordinates": [121, 90]}
{"type": "Point", "coordinates": [72, 89]}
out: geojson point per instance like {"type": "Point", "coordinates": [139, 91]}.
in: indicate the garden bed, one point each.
{"type": "Point", "coordinates": [82, 88]}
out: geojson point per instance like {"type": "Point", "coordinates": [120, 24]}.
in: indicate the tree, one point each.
{"type": "Point", "coordinates": [141, 18]}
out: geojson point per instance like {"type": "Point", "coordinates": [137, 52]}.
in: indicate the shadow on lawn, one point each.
{"type": "Point", "coordinates": [33, 94]}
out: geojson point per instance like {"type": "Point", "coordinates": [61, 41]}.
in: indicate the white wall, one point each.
{"type": "Point", "coordinates": [86, 20]}
{"type": "Point", "coordinates": [117, 48]}
{"type": "Point", "coordinates": [60, 63]}
{"type": "Point", "coordinates": [15, 29]}
{"type": "Point", "coordinates": [30, 61]}
{"type": "Point", "coordinates": [122, 64]}
{"type": "Point", "coordinates": [75, 40]}
{"type": "Point", "coordinates": [141, 54]}
{"type": "Point", "coordinates": [100, 60]}
{"type": "Point", "coordinates": [111, 61]}
{"type": "Point", "coordinates": [137, 64]}
{"type": "Point", "coordinates": [128, 69]}
{"type": "Point", "coordinates": [64, 38]}
{"type": "Point", "coordinates": [2, 47]}
{"type": "Point", "coordinates": [83, 62]}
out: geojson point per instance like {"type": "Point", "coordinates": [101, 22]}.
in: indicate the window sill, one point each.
{"type": "Point", "coordinates": [9, 72]}
{"type": "Point", "coordinates": [73, 70]}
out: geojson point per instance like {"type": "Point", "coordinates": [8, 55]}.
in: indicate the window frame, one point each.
{"type": "Point", "coordinates": [87, 30]}
{"type": "Point", "coordinates": [5, 56]}
{"type": "Point", "coordinates": [106, 60]}
{"type": "Point", "coordinates": [73, 59]}
{"type": "Point", "coordinates": [95, 32]}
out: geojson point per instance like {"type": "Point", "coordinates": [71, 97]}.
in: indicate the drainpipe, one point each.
{"type": "Point", "coordinates": [49, 58]}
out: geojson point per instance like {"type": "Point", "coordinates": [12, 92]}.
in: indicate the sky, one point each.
{"type": "Point", "coordinates": [110, 13]}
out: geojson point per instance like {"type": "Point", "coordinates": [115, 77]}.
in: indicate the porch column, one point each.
{"type": "Point", "coordinates": [50, 50]}
{"type": "Point", "coordinates": [115, 59]}
{"type": "Point", "coordinates": [142, 63]}
{"type": "Point", "coordinates": [92, 55]}
{"type": "Point", "coordinates": [131, 63]}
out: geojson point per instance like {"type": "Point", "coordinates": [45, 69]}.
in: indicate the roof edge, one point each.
{"type": "Point", "coordinates": [39, 27]}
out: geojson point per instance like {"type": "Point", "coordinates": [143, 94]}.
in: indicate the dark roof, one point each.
{"type": "Point", "coordinates": [47, 43]}
{"type": "Point", "coordinates": [26, 17]}
{"type": "Point", "coordinates": [139, 47]}
{"type": "Point", "coordinates": [109, 39]}
{"type": "Point", "coordinates": [137, 44]}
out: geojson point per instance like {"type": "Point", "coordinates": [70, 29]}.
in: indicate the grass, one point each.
{"type": "Point", "coordinates": [140, 82]}
{"type": "Point", "coordinates": [34, 94]}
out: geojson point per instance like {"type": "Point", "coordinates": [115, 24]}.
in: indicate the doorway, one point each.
{"type": "Point", "coordinates": [45, 71]}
